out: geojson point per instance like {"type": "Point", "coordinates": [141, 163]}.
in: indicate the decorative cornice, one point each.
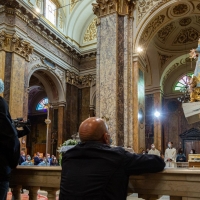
{"type": "Point", "coordinates": [80, 81]}
{"type": "Point", "coordinates": [13, 43]}
{"type": "Point", "coordinates": [106, 7]}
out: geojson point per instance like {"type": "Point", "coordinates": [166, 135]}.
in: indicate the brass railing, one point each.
{"type": "Point", "coordinates": [179, 184]}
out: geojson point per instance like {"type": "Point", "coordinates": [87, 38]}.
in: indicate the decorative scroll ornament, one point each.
{"type": "Point", "coordinates": [180, 9]}
{"type": "Point", "coordinates": [72, 4]}
{"type": "Point", "coordinates": [164, 58]}
{"type": "Point", "coordinates": [106, 7]}
{"type": "Point", "coordinates": [151, 28]}
{"type": "Point", "coordinates": [80, 81]}
{"type": "Point", "coordinates": [188, 35]}
{"type": "Point", "coordinates": [13, 43]}
{"type": "Point", "coordinates": [166, 31]}
{"type": "Point", "coordinates": [91, 32]}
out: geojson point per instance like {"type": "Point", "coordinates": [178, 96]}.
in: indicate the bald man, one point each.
{"type": "Point", "coordinates": [92, 170]}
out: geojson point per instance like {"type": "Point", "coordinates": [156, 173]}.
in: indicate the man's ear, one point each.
{"type": "Point", "coordinates": [105, 138]}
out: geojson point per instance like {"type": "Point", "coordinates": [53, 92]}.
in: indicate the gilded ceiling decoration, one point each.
{"type": "Point", "coordinates": [144, 6]}
{"type": "Point", "coordinates": [151, 28]}
{"type": "Point", "coordinates": [163, 59]}
{"type": "Point", "coordinates": [91, 32]}
{"type": "Point", "coordinates": [180, 9]}
{"type": "Point", "coordinates": [166, 31]}
{"type": "Point", "coordinates": [72, 4]}
{"type": "Point", "coordinates": [187, 35]}
{"type": "Point", "coordinates": [185, 21]}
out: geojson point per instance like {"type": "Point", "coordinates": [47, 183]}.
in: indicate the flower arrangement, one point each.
{"type": "Point", "coordinates": [68, 144]}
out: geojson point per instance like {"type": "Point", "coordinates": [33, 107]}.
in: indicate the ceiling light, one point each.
{"type": "Point", "coordinates": [139, 49]}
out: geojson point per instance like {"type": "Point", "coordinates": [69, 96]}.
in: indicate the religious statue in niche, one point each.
{"type": "Point", "coordinates": [194, 82]}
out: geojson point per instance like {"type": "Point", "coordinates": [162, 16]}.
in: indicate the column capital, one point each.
{"type": "Point", "coordinates": [106, 7]}
{"type": "Point", "coordinates": [13, 43]}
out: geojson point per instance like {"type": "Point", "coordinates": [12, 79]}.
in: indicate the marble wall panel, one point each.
{"type": "Point", "coordinates": [141, 108]}
{"type": "Point", "coordinates": [2, 65]}
{"type": "Point", "coordinates": [7, 76]}
{"type": "Point", "coordinates": [88, 64]}
{"type": "Point", "coordinates": [85, 104]}
{"type": "Point", "coordinates": [107, 76]}
{"type": "Point", "coordinates": [17, 86]}
{"type": "Point", "coordinates": [120, 82]}
{"type": "Point", "coordinates": [48, 45]}
{"type": "Point", "coordinates": [71, 110]}
{"type": "Point", "coordinates": [149, 120]}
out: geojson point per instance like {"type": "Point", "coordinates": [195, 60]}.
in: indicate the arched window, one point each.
{"type": "Point", "coordinates": [41, 105]}
{"type": "Point", "coordinates": [51, 11]}
{"type": "Point", "coordinates": [182, 82]}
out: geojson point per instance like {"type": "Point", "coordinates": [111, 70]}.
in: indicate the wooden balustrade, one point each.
{"type": "Point", "coordinates": [179, 184]}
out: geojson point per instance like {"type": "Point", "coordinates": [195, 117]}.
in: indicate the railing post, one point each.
{"type": "Point", "coordinates": [33, 193]}
{"type": "Point", "coordinates": [16, 192]}
{"type": "Point", "coordinates": [51, 192]}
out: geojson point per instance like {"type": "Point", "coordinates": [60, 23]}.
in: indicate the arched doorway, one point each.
{"type": "Point", "coordinates": [44, 87]}
{"type": "Point", "coordinates": [167, 31]}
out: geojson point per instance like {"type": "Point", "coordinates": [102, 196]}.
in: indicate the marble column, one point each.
{"type": "Point", "coordinates": [60, 123]}
{"type": "Point", "coordinates": [14, 56]}
{"type": "Point", "coordinates": [158, 120]}
{"type": "Point", "coordinates": [112, 65]}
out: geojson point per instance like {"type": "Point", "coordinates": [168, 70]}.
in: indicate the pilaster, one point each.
{"type": "Point", "coordinates": [158, 121]}
{"type": "Point", "coordinates": [60, 123]}
{"type": "Point", "coordinates": [113, 52]}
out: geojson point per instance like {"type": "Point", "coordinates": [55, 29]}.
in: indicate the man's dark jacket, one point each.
{"type": "Point", "coordinates": [9, 142]}
{"type": "Point", "coordinates": [95, 171]}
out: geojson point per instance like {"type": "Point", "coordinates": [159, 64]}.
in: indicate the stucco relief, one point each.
{"type": "Point", "coordinates": [185, 21]}
{"type": "Point", "coordinates": [163, 59]}
{"type": "Point", "coordinates": [13, 43]}
{"type": "Point", "coordinates": [187, 35]}
{"type": "Point", "coordinates": [173, 68]}
{"type": "Point", "coordinates": [91, 32]}
{"type": "Point", "coordinates": [80, 81]}
{"type": "Point", "coordinates": [151, 28]}
{"type": "Point", "coordinates": [164, 33]}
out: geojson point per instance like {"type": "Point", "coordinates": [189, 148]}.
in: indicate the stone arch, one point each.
{"type": "Point", "coordinates": [52, 81]}
{"type": "Point", "coordinates": [158, 16]}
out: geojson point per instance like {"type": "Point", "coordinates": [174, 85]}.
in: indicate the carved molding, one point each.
{"type": "Point", "coordinates": [173, 68]}
{"type": "Point", "coordinates": [80, 81]}
{"type": "Point", "coordinates": [164, 33]}
{"type": "Point", "coordinates": [151, 28]}
{"type": "Point", "coordinates": [91, 32]}
{"type": "Point", "coordinates": [148, 6]}
{"type": "Point", "coordinates": [180, 9]}
{"type": "Point", "coordinates": [72, 4]}
{"type": "Point", "coordinates": [106, 7]}
{"type": "Point", "coordinates": [58, 72]}
{"type": "Point", "coordinates": [163, 58]}
{"type": "Point", "coordinates": [188, 35]}
{"type": "Point", "coordinates": [185, 21]}
{"type": "Point", "coordinates": [13, 43]}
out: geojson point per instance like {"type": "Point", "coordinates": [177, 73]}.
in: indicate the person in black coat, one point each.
{"type": "Point", "coordinates": [93, 170]}
{"type": "Point", "coordinates": [9, 148]}
{"type": "Point", "coordinates": [9, 144]}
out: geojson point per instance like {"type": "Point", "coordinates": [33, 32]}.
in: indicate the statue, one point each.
{"type": "Point", "coordinates": [194, 82]}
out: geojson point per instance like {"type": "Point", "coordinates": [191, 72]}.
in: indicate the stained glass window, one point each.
{"type": "Point", "coordinates": [51, 11]}
{"type": "Point", "coordinates": [182, 82]}
{"type": "Point", "coordinates": [41, 105]}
